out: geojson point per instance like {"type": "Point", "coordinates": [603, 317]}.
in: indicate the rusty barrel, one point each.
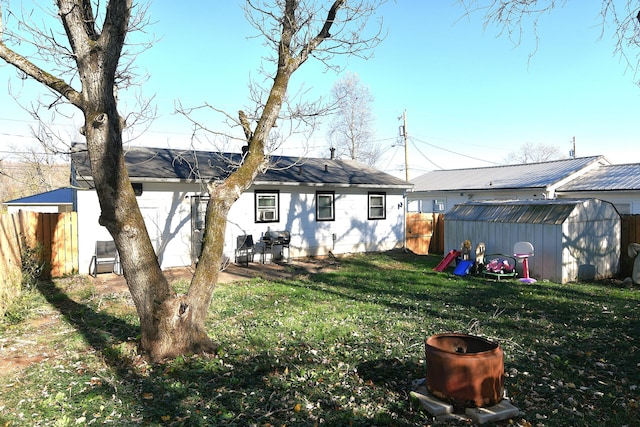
{"type": "Point", "coordinates": [465, 370]}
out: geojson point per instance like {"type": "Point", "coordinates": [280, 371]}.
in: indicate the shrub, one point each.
{"type": "Point", "coordinates": [32, 266]}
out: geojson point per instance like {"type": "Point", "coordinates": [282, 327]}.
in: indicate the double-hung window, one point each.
{"type": "Point", "coordinates": [267, 205]}
{"type": "Point", "coordinates": [325, 206]}
{"type": "Point", "coordinates": [377, 205]}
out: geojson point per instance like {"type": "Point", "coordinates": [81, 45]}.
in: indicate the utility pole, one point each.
{"type": "Point", "coordinates": [406, 145]}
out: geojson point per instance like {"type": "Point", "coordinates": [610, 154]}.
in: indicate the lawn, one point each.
{"type": "Point", "coordinates": [335, 348]}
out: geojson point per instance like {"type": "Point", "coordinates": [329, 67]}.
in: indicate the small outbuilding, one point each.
{"type": "Point", "coordinates": [54, 201]}
{"type": "Point", "coordinates": [573, 239]}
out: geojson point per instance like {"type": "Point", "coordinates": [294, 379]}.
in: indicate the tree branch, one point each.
{"type": "Point", "coordinates": [30, 69]}
{"type": "Point", "coordinates": [324, 32]}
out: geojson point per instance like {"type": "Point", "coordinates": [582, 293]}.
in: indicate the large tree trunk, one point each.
{"type": "Point", "coordinates": [182, 318]}
{"type": "Point", "coordinates": [97, 55]}
{"type": "Point", "coordinates": [170, 324]}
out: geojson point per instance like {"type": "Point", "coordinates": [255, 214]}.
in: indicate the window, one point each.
{"type": "Point", "coordinates": [325, 206]}
{"type": "Point", "coordinates": [377, 206]}
{"type": "Point", "coordinates": [267, 206]}
{"type": "Point", "coordinates": [413, 205]}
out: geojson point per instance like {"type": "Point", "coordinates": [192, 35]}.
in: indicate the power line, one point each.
{"type": "Point", "coordinates": [455, 152]}
{"type": "Point", "coordinates": [423, 155]}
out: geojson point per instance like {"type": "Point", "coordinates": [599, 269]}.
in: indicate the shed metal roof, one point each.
{"type": "Point", "coordinates": [61, 196]}
{"type": "Point", "coordinates": [189, 165]}
{"type": "Point", "coordinates": [606, 178]}
{"type": "Point", "coordinates": [528, 175]}
{"type": "Point", "coordinates": [555, 211]}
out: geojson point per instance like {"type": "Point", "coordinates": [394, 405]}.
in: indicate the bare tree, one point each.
{"type": "Point", "coordinates": [534, 153]}
{"type": "Point", "coordinates": [514, 16]}
{"type": "Point", "coordinates": [294, 30]}
{"type": "Point", "coordinates": [31, 171]}
{"type": "Point", "coordinates": [351, 129]}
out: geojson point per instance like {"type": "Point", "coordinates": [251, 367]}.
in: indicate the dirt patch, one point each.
{"type": "Point", "coordinates": [15, 363]}
{"type": "Point", "coordinates": [110, 283]}
{"type": "Point", "coordinates": [18, 353]}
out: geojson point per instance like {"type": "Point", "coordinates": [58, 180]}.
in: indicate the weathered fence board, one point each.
{"type": "Point", "coordinates": [10, 262]}
{"type": "Point", "coordinates": [425, 233]}
{"type": "Point", "coordinates": [630, 234]}
{"type": "Point", "coordinates": [53, 235]}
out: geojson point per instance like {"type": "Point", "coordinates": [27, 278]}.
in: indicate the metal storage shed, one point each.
{"type": "Point", "coordinates": [574, 239]}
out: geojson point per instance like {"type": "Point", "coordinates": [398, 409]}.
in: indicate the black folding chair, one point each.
{"type": "Point", "coordinates": [244, 249]}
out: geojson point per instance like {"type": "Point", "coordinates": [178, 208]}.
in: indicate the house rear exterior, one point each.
{"type": "Point", "coordinates": [327, 205]}
{"type": "Point", "coordinates": [618, 184]}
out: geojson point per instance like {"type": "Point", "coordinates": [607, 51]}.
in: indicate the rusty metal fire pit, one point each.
{"type": "Point", "coordinates": [465, 370]}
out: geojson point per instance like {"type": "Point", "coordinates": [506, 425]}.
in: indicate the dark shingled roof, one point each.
{"type": "Point", "coordinates": [187, 165]}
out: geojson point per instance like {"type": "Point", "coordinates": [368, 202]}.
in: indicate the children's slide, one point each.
{"type": "Point", "coordinates": [447, 260]}
{"type": "Point", "coordinates": [463, 267]}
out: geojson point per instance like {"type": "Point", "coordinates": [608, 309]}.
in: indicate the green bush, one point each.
{"type": "Point", "coordinates": [32, 266]}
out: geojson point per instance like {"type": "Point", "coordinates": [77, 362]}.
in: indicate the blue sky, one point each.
{"type": "Point", "coordinates": [471, 96]}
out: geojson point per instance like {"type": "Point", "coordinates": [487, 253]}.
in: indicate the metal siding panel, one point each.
{"type": "Point", "coordinates": [582, 247]}
{"type": "Point", "coordinates": [567, 241]}
{"type": "Point", "coordinates": [539, 242]}
{"type": "Point", "coordinates": [569, 233]}
{"type": "Point", "coordinates": [559, 230]}
{"type": "Point", "coordinates": [546, 253]}
{"type": "Point", "coordinates": [450, 236]}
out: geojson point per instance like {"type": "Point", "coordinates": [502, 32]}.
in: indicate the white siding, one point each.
{"type": "Point", "coordinates": [625, 202]}
{"type": "Point", "coordinates": [89, 230]}
{"type": "Point", "coordinates": [426, 202]}
{"type": "Point", "coordinates": [352, 229]}
{"type": "Point", "coordinates": [167, 215]}
{"type": "Point", "coordinates": [166, 209]}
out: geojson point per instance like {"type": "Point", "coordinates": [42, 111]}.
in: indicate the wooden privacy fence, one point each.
{"type": "Point", "coordinates": [630, 233]}
{"type": "Point", "coordinates": [53, 237]}
{"type": "Point", "coordinates": [425, 235]}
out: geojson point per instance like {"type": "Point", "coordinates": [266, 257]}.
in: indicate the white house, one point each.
{"type": "Point", "coordinates": [586, 177]}
{"type": "Point", "coordinates": [326, 204]}
{"type": "Point", "coordinates": [617, 184]}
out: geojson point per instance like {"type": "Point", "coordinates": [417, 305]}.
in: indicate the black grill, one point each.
{"type": "Point", "coordinates": [277, 237]}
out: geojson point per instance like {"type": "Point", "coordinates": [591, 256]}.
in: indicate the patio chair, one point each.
{"type": "Point", "coordinates": [244, 249]}
{"type": "Point", "coordinates": [105, 258]}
